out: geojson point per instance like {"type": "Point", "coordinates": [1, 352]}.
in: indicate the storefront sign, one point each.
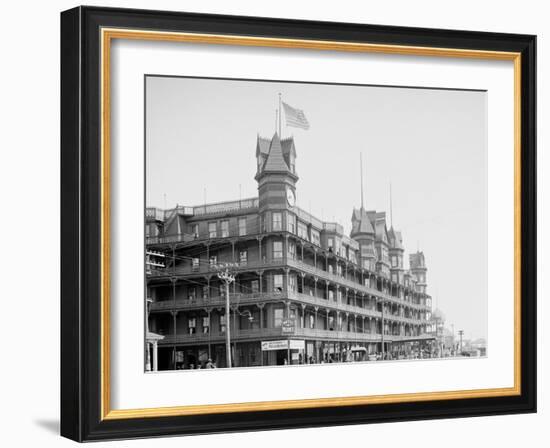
{"type": "Point", "coordinates": [297, 344]}
{"type": "Point", "coordinates": [274, 345]}
{"type": "Point", "coordinates": [293, 344]}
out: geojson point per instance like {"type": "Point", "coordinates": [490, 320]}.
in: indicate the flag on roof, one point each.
{"type": "Point", "coordinates": [295, 117]}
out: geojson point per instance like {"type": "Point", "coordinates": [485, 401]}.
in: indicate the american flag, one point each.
{"type": "Point", "coordinates": [295, 117]}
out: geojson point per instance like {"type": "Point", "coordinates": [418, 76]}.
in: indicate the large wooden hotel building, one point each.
{"type": "Point", "coordinates": [304, 292]}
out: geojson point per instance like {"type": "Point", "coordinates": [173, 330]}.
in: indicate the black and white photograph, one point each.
{"type": "Point", "coordinates": [294, 223]}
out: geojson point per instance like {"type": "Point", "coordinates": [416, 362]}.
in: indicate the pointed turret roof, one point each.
{"type": "Point", "coordinates": [379, 219]}
{"type": "Point", "coordinates": [361, 222]}
{"type": "Point", "coordinates": [262, 146]}
{"type": "Point", "coordinates": [275, 160]}
{"type": "Point", "coordinates": [288, 147]}
{"type": "Point", "coordinates": [396, 240]}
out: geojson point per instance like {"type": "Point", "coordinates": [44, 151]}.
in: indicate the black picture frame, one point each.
{"type": "Point", "coordinates": [81, 224]}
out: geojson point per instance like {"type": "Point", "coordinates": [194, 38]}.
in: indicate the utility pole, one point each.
{"type": "Point", "coordinates": [460, 333]}
{"type": "Point", "coordinates": [454, 342]}
{"type": "Point", "coordinates": [227, 276]}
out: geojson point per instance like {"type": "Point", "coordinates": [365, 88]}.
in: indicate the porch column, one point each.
{"type": "Point", "coordinates": [315, 320]}
{"type": "Point", "coordinates": [259, 238]}
{"type": "Point", "coordinates": [285, 282]}
{"type": "Point", "coordinates": [315, 279]}
{"type": "Point", "coordinates": [147, 357]}
{"type": "Point", "coordinates": [155, 356]}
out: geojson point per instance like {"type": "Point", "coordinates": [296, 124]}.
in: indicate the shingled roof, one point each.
{"type": "Point", "coordinates": [361, 222]}
{"type": "Point", "coordinates": [396, 240]}
{"type": "Point", "coordinates": [275, 160]}
{"type": "Point", "coordinates": [288, 147]}
{"type": "Point", "coordinates": [379, 219]}
{"type": "Point", "coordinates": [262, 146]}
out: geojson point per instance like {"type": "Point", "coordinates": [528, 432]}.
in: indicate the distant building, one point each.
{"type": "Point", "coordinates": [304, 291]}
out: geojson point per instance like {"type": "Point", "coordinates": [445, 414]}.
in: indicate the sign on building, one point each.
{"type": "Point", "coordinates": [288, 326]}
{"type": "Point", "coordinates": [284, 344]}
{"type": "Point", "coordinates": [274, 345]}
{"type": "Point", "coordinates": [295, 344]}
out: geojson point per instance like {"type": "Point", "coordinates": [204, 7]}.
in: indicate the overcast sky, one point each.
{"type": "Point", "coordinates": [431, 145]}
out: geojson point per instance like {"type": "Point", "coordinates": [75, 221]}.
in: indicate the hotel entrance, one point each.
{"type": "Point", "coordinates": [282, 352]}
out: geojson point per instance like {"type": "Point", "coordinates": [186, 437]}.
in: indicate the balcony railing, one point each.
{"type": "Point", "coordinates": [224, 207]}
{"type": "Point", "coordinates": [296, 264]}
{"type": "Point", "coordinates": [270, 333]}
{"type": "Point", "coordinates": [239, 299]}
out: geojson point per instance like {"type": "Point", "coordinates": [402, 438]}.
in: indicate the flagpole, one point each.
{"type": "Point", "coordinates": [361, 168]}
{"type": "Point", "coordinates": [280, 128]}
{"type": "Point", "coordinates": [391, 208]}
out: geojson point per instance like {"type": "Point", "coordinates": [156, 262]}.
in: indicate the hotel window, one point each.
{"type": "Point", "coordinates": [243, 256]}
{"type": "Point", "coordinates": [337, 247]}
{"type": "Point", "coordinates": [331, 323]}
{"type": "Point", "coordinates": [330, 269]}
{"type": "Point", "coordinates": [330, 244]}
{"type": "Point", "coordinates": [291, 223]}
{"type": "Point", "coordinates": [212, 233]}
{"type": "Point", "coordinates": [384, 253]}
{"type": "Point", "coordinates": [291, 250]}
{"type": "Point", "coordinates": [292, 283]}
{"type": "Point", "coordinates": [195, 230]}
{"type": "Point", "coordinates": [225, 228]}
{"type": "Point", "coordinates": [330, 294]}
{"type": "Point", "coordinates": [206, 324]}
{"type": "Point", "coordinates": [242, 226]}
{"type": "Point", "coordinates": [222, 323]}
{"type": "Point", "coordinates": [213, 260]}
{"type": "Point", "coordinates": [339, 270]}
{"type": "Point", "coordinates": [191, 293]}
{"type": "Point", "coordinates": [278, 282]}
{"type": "Point", "coordinates": [192, 324]}
{"type": "Point", "coordinates": [205, 292]}
{"type": "Point", "coordinates": [277, 221]}
{"type": "Point", "coordinates": [394, 261]}
{"type": "Point", "coordinates": [311, 321]}
{"type": "Point", "coordinates": [315, 237]}
{"type": "Point", "coordinates": [278, 317]}
{"type": "Point", "coordinates": [277, 250]}
{"type": "Point", "coordinates": [302, 231]}
{"type": "Point", "coordinates": [195, 264]}
{"type": "Point", "coordinates": [255, 286]}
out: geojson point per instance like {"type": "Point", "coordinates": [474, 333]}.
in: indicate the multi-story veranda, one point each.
{"type": "Point", "coordinates": [337, 308]}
